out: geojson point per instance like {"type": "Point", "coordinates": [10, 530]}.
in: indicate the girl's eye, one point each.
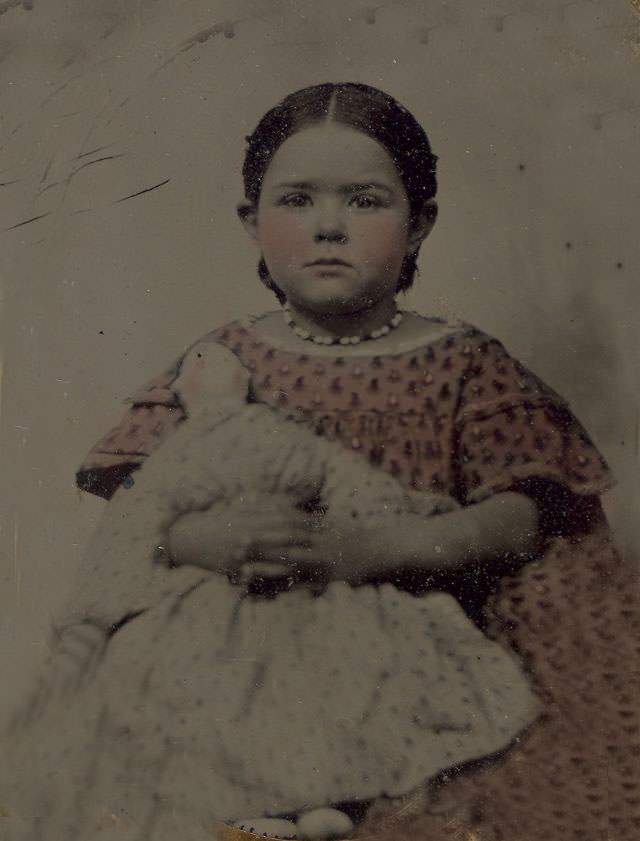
{"type": "Point", "coordinates": [295, 200]}
{"type": "Point", "coordinates": [365, 201]}
{"type": "Point", "coordinates": [362, 201]}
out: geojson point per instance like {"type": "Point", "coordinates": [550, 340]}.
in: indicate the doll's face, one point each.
{"type": "Point", "coordinates": [332, 193]}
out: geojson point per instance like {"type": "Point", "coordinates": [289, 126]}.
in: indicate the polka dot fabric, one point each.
{"type": "Point", "coordinates": [463, 416]}
{"type": "Point", "coordinates": [511, 427]}
{"type": "Point", "coordinates": [574, 617]}
{"type": "Point", "coordinates": [493, 426]}
{"type": "Point", "coordinates": [213, 703]}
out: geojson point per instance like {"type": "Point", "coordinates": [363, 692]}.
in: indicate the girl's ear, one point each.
{"type": "Point", "coordinates": [422, 225]}
{"type": "Point", "coordinates": [248, 216]}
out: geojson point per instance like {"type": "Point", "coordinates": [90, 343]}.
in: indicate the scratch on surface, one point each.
{"type": "Point", "coordinates": [66, 84]}
{"type": "Point", "coordinates": [68, 114]}
{"type": "Point", "coordinates": [425, 32]}
{"type": "Point", "coordinates": [94, 151]}
{"type": "Point", "coordinates": [498, 21]}
{"type": "Point", "coordinates": [142, 192]}
{"type": "Point", "coordinates": [54, 92]}
{"type": "Point", "coordinates": [123, 103]}
{"type": "Point", "coordinates": [17, 572]}
{"type": "Point", "coordinates": [67, 181]}
{"type": "Point", "coordinates": [29, 221]}
{"type": "Point", "coordinates": [8, 183]}
{"type": "Point", "coordinates": [47, 168]}
{"type": "Point", "coordinates": [96, 161]}
{"type": "Point", "coordinates": [5, 5]}
{"type": "Point", "coordinates": [367, 14]}
{"type": "Point", "coordinates": [227, 28]}
{"type": "Point", "coordinates": [111, 28]}
{"type": "Point", "coordinates": [51, 186]}
{"type": "Point", "coordinates": [70, 60]}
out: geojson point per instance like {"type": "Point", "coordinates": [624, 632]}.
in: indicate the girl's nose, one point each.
{"type": "Point", "coordinates": [330, 226]}
{"type": "Point", "coordinates": [330, 236]}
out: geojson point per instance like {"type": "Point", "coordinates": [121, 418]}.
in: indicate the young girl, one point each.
{"type": "Point", "coordinates": [339, 187]}
{"type": "Point", "coordinates": [321, 691]}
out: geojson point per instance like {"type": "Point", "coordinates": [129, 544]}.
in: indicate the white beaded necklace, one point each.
{"type": "Point", "coordinates": [341, 340]}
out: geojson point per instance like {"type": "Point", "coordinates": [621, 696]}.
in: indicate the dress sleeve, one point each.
{"type": "Point", "coordinates": [513, 432]}
{"type": "Point", "coordinates": [155, 411]}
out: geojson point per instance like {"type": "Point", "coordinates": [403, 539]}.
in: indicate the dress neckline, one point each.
{"type": "Point", "coordinates": [313, 351]}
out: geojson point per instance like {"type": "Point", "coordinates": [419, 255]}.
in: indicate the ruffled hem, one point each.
{"type": "Point", "coordinates": [255, 706]}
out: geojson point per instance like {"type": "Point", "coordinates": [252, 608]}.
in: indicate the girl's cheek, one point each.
{"type": "Point", "coordinates": [383, 240]}
{"type": "Point", "coordinates": [283, 236]}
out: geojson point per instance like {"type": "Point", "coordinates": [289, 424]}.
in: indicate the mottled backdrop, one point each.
{"type": "Point", "coordinates": [121, 140]}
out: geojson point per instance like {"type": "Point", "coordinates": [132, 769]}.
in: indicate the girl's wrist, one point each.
{"type": "Point", "coordinates": [416, 542]}
{"type": "Point", "coordinates": [442, 541]}
{"type": "Point", "coordinates": [380, 550]}
{"type": "Point", "coordinates": [505, 524]}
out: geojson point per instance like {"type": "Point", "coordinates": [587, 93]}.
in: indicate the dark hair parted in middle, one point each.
{"type": "Point", "coordinates": [364, 109]}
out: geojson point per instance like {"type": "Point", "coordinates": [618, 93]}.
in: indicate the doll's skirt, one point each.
{"type": "Point", "coordinates": [216, 705]}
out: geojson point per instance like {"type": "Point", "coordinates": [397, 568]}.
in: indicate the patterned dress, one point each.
{"type": "Point", "coordinates": [461, 416]}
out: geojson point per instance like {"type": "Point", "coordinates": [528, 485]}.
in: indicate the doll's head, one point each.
{"type": "Point", "coordinates": [331, 129]}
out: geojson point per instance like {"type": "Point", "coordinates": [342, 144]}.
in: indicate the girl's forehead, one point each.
{"type": "Point", "coordinates": [331, 152]}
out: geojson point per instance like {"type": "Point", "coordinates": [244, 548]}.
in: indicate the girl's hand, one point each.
{"type": "Point", "coordinates": [347, 549]}
{"type": "Point", "coordinates": [275, 533]}
{"type": "Point", "coordinates": [503, 526]}
{"type": "Point", "coordinates": [226, 537]}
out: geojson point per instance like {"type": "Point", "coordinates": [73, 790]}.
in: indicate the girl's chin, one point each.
{"type": "Point", "coordinates": [329, 304]}
{"type": "Point", "coordinates": [331, 295]}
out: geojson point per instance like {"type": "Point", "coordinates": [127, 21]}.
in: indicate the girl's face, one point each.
{"type": "Point", "coordinates": [332, 222]}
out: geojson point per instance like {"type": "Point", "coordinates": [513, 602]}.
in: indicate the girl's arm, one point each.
{"type": "Point", "coordinates": [506, 524]}
{"type": "Point", "coordinates": [503, 526]}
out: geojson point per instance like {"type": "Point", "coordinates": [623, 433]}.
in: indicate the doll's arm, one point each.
{"type": "Point", "coordinates": [74, 653]}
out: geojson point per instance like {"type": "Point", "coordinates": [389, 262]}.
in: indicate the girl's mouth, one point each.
{"type": "Point", "coordinates": [329, 262]}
